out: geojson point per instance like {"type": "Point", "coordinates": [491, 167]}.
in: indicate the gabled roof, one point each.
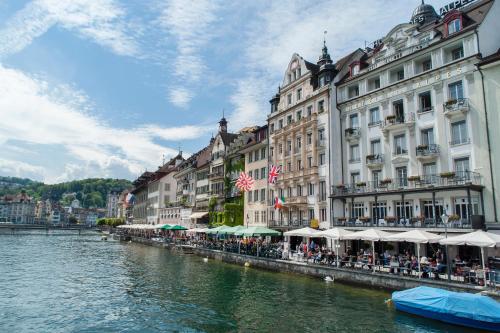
{"type": "Point", "coordinates": [227, 138]}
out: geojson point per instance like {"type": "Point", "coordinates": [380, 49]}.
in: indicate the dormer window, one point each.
{"type": "Point", "coordinates": [454, 26]}
{"type": "Point", "coordinates": [355, 70]}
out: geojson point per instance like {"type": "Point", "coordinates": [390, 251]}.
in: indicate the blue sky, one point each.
{"type": "Point", "coordinates": [105, 88]}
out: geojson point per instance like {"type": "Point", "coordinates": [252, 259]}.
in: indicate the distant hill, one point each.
{"type": "Point", "coordinates": [91, 192]}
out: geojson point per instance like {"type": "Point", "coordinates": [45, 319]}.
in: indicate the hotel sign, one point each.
{"type": "Point", "coordinates": [454, 5]}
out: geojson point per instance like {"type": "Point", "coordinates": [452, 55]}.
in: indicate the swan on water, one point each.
{"type": "Point", "coordinates": [329, 278]}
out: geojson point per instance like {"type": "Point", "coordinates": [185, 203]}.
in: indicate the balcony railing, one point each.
{"type": "Point", "coordinates": [409, 183]}
{"type": "Point", "coordinates": [400, 222]}
{"type": "Point", "coordinates": [374, 159]}
{"type": "Point", "coordinates": [456, 105]}
{"type": "Point", "coordinates": [425, 109]}
{"type": "Point", "coordinates": [460, 141]}
{"type": "Point", "coordinates": [352, 133]}
{"type": "Point", "coordinates": [395, 120]}
{"type": "Point", "coordinates": [215, 175]}
{"type": "Point", "coordinates": [290, 224]}
{"type": "Point", "coordinates": [427, 150]}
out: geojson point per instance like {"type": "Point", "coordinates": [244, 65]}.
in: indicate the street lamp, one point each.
{"type": "Point", "coordinates": [445, 218]}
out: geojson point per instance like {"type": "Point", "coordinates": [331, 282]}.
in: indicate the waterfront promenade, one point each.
{"type": "Point", "coordinates": [362, 277]}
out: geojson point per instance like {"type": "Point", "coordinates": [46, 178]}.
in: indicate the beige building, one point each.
{"type": "Point", "coordinates": [256, 201]}
{"type": "Point", "coordinates": [298, 142]}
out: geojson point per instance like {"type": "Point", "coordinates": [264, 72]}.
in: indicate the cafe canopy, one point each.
{"type": "Point", "coordinates": [257, 231]}
{"type": "Point", "coordinates": [304, 232]}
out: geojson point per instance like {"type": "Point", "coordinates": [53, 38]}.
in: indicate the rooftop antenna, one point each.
{"type": "Point", "coordinates": [163, 159]}
{"type": "Point", "coordinates": [223, 113]}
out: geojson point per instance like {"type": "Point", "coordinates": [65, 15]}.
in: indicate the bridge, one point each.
{"type": "Point", "coordinates": [13, 227]}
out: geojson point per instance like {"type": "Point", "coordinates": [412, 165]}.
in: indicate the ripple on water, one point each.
{"type": "Point", "coordinates": [69, 283]}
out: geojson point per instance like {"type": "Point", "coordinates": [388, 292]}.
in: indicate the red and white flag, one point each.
{"type": "Point", "coordinates": [244, 182]}
{"type": "Point", "coordinates": [274, 172]}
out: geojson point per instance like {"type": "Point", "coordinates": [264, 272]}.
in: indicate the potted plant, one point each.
{"type": "Point", "coordinates": [454, 217]}
{"type": "Point", "coordinates": [371, 157]}
{"type": "Point", "coordinates": [340, 186]}
{"type": "Point", "coordinates": [422, 147]}
{"type": "Point", "coordinates": [390, 219]}
{"type": "Point", "coordinates": [364, 219]}
{"type": "Point", "coordinates": [386, 181]}
{"type": "Point", "coordinates": [342, 219]}
{"type": "Point", "coordinates": [448, 174]}
{"type": "Point", "coordinates": [361, 184]}
{"type": "Point", "coordinates": [414, 178]}
{"type": "Point", "coordinates": [451, 102]}
{"type": "Point", "coordinates": [391, 118]}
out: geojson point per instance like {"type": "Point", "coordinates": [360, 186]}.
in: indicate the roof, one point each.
{"type": "Point", "coordinates": [490, 59]}
{"type": "Point", "coordinates": [473, 16]}
{"type": "Point", "coordinates": [227, 138]}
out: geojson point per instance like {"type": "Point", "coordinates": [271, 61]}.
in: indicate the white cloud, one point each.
{"type": "Point", "coordinates": [33, 113]}
{"type": "Point", "coordinates": [180, 96]}
{"type": "Point", "coordinates": [102, 21]}
{"type": "Point", "coordinates": [279, 30]}
{"type": "Point", "coordinates": [21, 169]}
{"type": "Point", "coordinates": [189, 24]}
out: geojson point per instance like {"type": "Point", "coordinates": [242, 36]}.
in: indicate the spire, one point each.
{"type": "Point", "coordinates": [325, 57]}
{"type": "Point", "coordinates": [223, 124]}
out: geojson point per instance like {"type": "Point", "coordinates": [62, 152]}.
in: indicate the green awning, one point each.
{"type": "Point", "coordinates": [178, 227]}
{"type": "Point", "coordinates": [257, 231]}
{"type": "Point", "coordinates": [231, 230]}
{"type": "Point", "coordinates": [173, 227]}
{"type": "Point", "coordinates": [214, 231]}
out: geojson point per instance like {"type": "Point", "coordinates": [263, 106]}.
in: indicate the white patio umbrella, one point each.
{"type": "Point", "coordinates": [304, 232]}
{"type": "Point", "coordinates": [478, 238]}
{"type": "Point", "coordinates": [415, 236]}
{"type": "Point", "coordinates": [335, 234]}
{"type": "Point", "coordinates": [373, 235]}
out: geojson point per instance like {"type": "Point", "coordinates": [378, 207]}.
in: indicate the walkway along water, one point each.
{"type": "Point", "coordinates": [344, 275]}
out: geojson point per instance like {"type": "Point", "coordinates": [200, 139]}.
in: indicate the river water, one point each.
{"type": "Point", "coordinates": [63, 282]}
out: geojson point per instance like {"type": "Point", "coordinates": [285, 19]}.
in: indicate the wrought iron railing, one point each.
{"type": "Point", "coordinates": [406, 183]}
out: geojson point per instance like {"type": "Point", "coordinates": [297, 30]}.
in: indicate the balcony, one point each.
{"type": "Point", "coordinates": [393, 223]}
{"type": "Point", "coordinates": [322, 143]}
{"type": "Point", "coordinates": [458, 106]}
{"type": "Point", "coordinates": [374, 160]}
{"type": "Point", "coordinates": [215, 175]}
{"type": "Point", "coordinates": [352, 133]}
{"type": "Point", "coordinates": [425, 109]}
{"type": "Point", "coordinates": [394, 122]}
{"type": "Point", "coordinates": [290, 224]}
{"type": "Point", "coordinates": [427, 151]}
{"type": "Point", "coordinates": [445, 179]}
{"type": "Point", "coordinates": [300, 200]}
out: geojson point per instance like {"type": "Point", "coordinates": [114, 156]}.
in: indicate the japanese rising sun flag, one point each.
{"type": "Point", "coordinates": [274, 172]}
{"type": "Point", "coordinates": [244, 182]}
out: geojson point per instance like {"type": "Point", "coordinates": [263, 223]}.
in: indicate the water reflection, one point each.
{"type": "Point", "coordinates": [71, 283]}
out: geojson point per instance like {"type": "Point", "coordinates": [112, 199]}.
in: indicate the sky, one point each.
{"type": "Point", "coordinates": [110, 88]}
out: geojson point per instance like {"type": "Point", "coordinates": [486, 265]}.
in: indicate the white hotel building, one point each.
{"type": "Point", "coordinates": [413, 136]}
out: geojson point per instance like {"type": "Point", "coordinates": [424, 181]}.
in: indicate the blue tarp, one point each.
{"type": "Point", "coordinates": [460, 308]}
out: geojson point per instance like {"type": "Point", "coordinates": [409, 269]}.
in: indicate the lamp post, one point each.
{"type": "Point", "coordinates": [445, 218]}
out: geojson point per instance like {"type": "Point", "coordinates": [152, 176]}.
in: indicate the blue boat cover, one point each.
{"type": "Point", "coordinates": [471, 307]}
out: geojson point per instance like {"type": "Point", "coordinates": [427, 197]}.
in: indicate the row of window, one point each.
{"type": "Point", "coordinates": [421, 65]}
{"type": "Point", "coordinates": [257, 155]}
{"type": "Point", "coordinates": [258, 174]}
{"type": "Point", "coordinates": [406, 209]}
{"type": "Point", "coordinates": [301, 215]}
{"type": "Point", "coordinates": [253, 196]}
{"type": "Point", "coordinates": [298, 116]}
{"type": "Point", "coordinates": [429, 172]}
{"type": "Point", "coordinates": [455, 92]}
{"type": "Point", "coordinates": [459, 136]}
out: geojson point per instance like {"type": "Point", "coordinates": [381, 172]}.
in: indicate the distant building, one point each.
{"type": "Point", "coordinates": [18, 209]}
{"type": "Point", "coordinates": [112, 204]}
